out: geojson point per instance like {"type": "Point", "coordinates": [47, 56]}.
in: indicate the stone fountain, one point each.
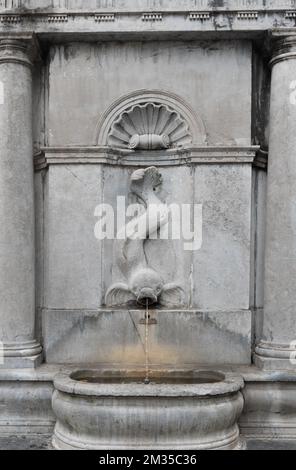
{"type": "Point", "coordinates": [145, 408]}
{"type": "Point", "coordinates": [104, 97]}
{"type": "Point", "coordinates": [176, 410]}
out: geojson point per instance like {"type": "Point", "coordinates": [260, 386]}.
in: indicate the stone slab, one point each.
{"type": "Point", "coordinates": [25, 408]}
{"type": "Point", "coordinates": [83, 84]}
{"type": "Point", "coordinates": [78, 268]}
{"type": "Point", "coordinates": [116, 337]}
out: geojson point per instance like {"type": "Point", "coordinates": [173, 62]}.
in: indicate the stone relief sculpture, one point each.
{"type": "Point", "coordinates": [149, 126]}
{"type": "Point", "coordinates": [150, 120]}
{"type": "Point", "coordinates": [143, 284]}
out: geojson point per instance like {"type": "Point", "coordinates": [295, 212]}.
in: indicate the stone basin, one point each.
{"type": "Point", "coordinates": [195, 409]}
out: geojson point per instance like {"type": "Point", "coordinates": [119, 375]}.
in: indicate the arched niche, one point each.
{"type": "Point", "coordinates": [150, 119]}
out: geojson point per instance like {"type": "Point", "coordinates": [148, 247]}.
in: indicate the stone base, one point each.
{"type": "Point", "coordinates": [29, 442]}
{"type": "Point", "coordinates": [25, 402]}
{"type": "Point", "coordinates": [273, 363]}
{"type": "Point", "coordinates": [270, 407]}
{"type": "Point", "coordinates": [30, 362]}
{"type": "Point", "coordinates": [21, 355]}
{"type": "Point", "coordinates": [59, 443]}
{"type": "Point", "coordinates": [272, 356]}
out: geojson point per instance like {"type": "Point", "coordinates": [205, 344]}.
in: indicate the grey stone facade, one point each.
{"type": "Point", "coordinates": [223, 74]}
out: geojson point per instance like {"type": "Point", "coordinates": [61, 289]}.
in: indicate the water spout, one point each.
{"type": "Point", "coordinates": [147, 294]}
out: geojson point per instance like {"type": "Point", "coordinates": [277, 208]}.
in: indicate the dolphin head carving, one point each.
{"type": "Point", "coordinates": [146, 285]}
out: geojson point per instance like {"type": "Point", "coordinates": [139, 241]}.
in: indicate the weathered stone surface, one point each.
{"type": "Point", "coordinates": [269, 410]}
{"type": "Point", "coordinates": [152, 416]}
{"type": "Point", "coordinates": [72, 255]}
{"type": "Point", "coordinates": [277, 346]}
{"type": "Point", "coordinates": [79, 268]}
{"type": "Point", "coordinates": [17, 249]}
{"type": "Point", "coordinates": [218, 283]}
{"type": "Point", "coordinates": [25, 408]}
{"type": "Point", "coordinates": [179, 337]}
{"type": "Point", "coordinates": [203, 65]}
{"type": "Point", "coordinates": [149, 17]}
{"type": "Point", "coordinates": [76, 102]}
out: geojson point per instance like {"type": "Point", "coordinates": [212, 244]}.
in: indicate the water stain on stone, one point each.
{"type": "Point", "coordinates": [216, 3]}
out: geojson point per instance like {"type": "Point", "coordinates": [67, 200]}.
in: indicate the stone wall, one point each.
{"type": "Point", "coordinates": [67, 71]}
{"type": "Point", "coordinates": [83, 81]}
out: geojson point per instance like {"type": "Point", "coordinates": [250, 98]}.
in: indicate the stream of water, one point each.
{"type": "Point", "coordinates": [147, 380]}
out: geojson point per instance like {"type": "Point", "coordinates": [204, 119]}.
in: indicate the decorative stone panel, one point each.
{"type": "Point", "coordinates": [149, 126]}
{"type": "Point", "coordinates": [150, 119]}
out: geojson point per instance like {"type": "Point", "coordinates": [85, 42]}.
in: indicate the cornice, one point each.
{"type": "Point", "coordinates": [172, 157]}
{"type": "Point", "coordinates": [148, 16]}
{"type": "Point", "coordinates": [58, 6]}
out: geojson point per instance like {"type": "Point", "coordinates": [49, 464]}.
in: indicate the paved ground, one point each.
{"type": "Point", "coordinates": [37, 443]}
{"type": "Point", "coordinates": [25, 443]}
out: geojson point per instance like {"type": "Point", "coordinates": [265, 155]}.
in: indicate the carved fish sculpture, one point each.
{"type": "Point", "coordinates": [143, 283]}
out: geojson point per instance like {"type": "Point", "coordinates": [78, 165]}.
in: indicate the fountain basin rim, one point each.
{"type": "Point", "coordinates": [64, 382]}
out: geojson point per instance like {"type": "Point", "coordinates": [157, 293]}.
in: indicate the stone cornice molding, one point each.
{"type": "Point", "coordinates": [115, 17]}
{"type": "Point", "coordinates": [18, 48]}
{"type": "Point", "coordinates": [283, 45]}
{"type": "Point", "coordinates": [12, 7]}
{"type": "Point", "coordinates": [172, 157]}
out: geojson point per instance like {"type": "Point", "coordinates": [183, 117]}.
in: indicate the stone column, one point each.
{"type": "Point", "coordinates": [17, 254]}
{"type": "Point", "coordinates": [279, 319]}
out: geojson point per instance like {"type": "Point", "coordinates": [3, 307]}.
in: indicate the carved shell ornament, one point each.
{"type": "Point", "coordinates": [149, 126]}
